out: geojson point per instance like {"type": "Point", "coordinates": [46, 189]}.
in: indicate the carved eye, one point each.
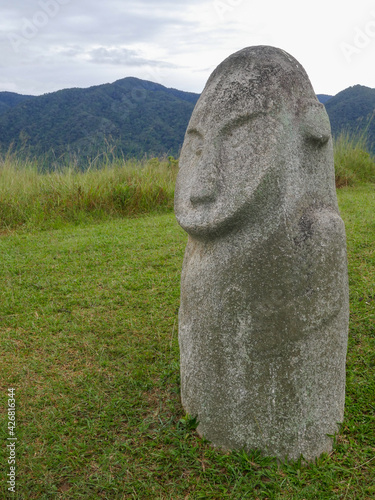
{"type": "Point", "coordinates": [195, 142]}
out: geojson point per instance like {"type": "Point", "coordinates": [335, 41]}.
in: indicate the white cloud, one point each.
{"type": "Point", "coordinates": [122, 56]}
{"type": "Point", "coordinates": [52, 44]}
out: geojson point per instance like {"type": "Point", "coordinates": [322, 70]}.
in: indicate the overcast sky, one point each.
{"type": "Point", "coordinates": [48, 45]}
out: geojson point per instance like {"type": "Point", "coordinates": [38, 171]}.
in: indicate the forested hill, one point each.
{"type": "Point", "coordinates": [136, 116]}
{"type": "Point", "coordinates": [10, 99]}
{"type": "Point", "coordinates": [353, 109]}
{"type": "Point", "coordinates": [133, 117]}
{"type": "Point", "coordinates": [323, 98]}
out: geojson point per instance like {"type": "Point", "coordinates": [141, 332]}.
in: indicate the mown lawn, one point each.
{"type": "Point", "coordinates": [88, 332]}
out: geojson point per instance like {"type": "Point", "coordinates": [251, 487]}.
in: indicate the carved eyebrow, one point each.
{"type": "Point", "coordinates": [239, 121]}
{"type": "Point", "coordinates": [194, 131]}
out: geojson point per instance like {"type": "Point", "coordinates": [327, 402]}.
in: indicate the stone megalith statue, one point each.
{"type": "Point", "coordinates": [263, 320]}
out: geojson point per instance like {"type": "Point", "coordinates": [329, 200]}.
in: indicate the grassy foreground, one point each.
{"type": "Point", "coordinates": [88, 331]}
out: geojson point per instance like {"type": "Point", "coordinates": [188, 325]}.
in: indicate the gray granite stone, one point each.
{"type": "Point", "coordinates": [263, 321]}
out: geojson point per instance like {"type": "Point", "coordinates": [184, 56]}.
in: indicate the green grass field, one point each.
{"type": "Point", "coordinates": [88, 330]}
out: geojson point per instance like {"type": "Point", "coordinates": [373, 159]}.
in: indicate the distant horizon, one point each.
{"type": "Point", "coordinates": [148, 80]}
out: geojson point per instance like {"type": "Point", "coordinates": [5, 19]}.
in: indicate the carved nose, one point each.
{"type": "Point", "coordinates": [204, 189]}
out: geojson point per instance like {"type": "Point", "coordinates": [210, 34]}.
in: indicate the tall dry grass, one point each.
{"type": "Point", "coordinates": [353, 162]}
{"type": "Point", "coordinates": [32, 196]}
{"type": "Point", "coordinates": [109, 189]}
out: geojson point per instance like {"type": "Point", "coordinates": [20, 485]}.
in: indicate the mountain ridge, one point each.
{"type": "Point", "coordinates": [134, 117]}
{"type": "Point", "coordinates": [9, 100]}
{"type": "Point", "coordinates": [353, 110]}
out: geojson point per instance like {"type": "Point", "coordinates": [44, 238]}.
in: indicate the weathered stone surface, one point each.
{"type": "Point", "coordinates": [263, 320]}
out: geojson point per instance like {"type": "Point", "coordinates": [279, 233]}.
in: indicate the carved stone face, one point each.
{"type": "Point", "coordinates": [220, 167]}
{"type": "Point", "coordinates": [244, 127]}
